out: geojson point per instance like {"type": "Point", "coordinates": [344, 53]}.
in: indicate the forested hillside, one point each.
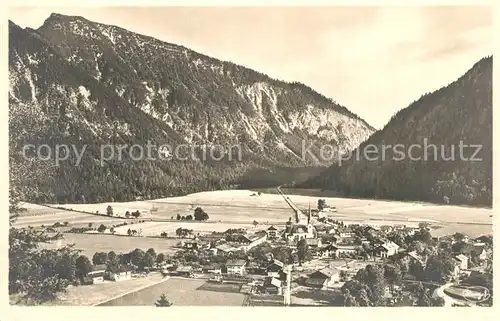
{"type": "Point", "coordinates": [459, 112]}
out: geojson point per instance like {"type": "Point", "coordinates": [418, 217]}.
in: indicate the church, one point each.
{"type": "Point", "coordinates": [302, 229]}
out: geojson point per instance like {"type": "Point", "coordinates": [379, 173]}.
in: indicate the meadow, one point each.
{"type": "Point", "coordinates": [181, 292]}
{"type": "Point", "coordinates": [91, 243]}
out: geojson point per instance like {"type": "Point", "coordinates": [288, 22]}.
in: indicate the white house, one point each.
{"type": "Point", "coordinates": [463, 261]}
{"type": "Point", "coordinates": [275, 268]}
{"type": "Point", "coordinates": [255, 240]}
{"type": "Point", "coordinates": [272, 232]}
{"type": "Point", "coordinates": [387, 249]}
{"type": "Point", "coordinates": [236, 267]}
{"type": "Point", "coordinates": [97, 275]}
{"type": "Point", "coordinates": [334, 250]}
{"type": "Point", "coordinates": [121, 275]}
{"type": "Point", "coordinates": [323, 278]}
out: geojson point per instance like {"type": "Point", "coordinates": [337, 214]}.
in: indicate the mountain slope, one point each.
{"type": "Point", "coordinates": [459, 112]}
{"type": "Point", "coordinates": [85, 84]}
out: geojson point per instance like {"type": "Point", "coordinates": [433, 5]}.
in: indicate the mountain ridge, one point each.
{"type": "Point", "coordinates": [56, 16]}
{"type": "Point", "coordinates": [77, 84]}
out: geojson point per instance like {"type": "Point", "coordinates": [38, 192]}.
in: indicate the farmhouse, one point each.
{"type": "Point", "coordinates": [386, 229]}
{"type": "Point", "coordinates": [255, 240]}
{"type": "Point", "coordinates": [254, 268]}
{"type": "Point", "coordinates": [213, 237]}
{"type": "Point", "coordinates": [483, 239]}
{"type": "Point", "coordinates": [365, 241]}
{"type": "Point", "coordinates": [323, 278]}
{"type": "Point", "coordinates": [335, 250]}
{"type": "Point", "coordinates": [272, 286]}
{"type": "Point", "coordinates": [275, 268]}
{"type": "Point", "coordinates": [97, 275]}
{"type": "Point", "coordinates": [236, 267]}
{"type": "Point", "coordinates": [314, 243]}
{"type": "Point", "coordinates": [121, 274]}
{"type": "Point", "coordinates": [272, 233]}
{"type": "Point", "coordinates": [184, 270]}
{"type": "Point", "coordinates": [480, 252]}
{"type": "Point", "coordinates": [247, 241]}
{"type": "Point", "coordinates": [345, 232]}
{"type": "Point", "coordinates": [351, 240]}
{"type": "Point", "coordinates": [409, 230]}
{"type": "Point", "coordinates": [226, 248]}
{"type": "Point", "coordinates": [413, 256]}
{"type": "Point", "coordinates": [387, 249]}
{"type": "Point", "coordinates": [463, 261]}
{"type": "Point", "coordinates": [213, 268]}
{"type": "Point", "coordinates": [190, 245]}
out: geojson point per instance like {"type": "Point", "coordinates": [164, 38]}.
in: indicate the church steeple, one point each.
{"type": "Point", "coordinates": [309, 214]}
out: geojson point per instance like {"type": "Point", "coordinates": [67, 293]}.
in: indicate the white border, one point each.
{"type": "Point", "coordinates": [213, 313]}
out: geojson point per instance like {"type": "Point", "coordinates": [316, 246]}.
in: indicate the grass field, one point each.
{"type": "Point", "coordinates": [238, 205]}
{"type": "Point", "coordinates": [156, 228]}
{"type": "Point", "coordinates": [238, 208]}
{"type": "Point", "coordinates": [91, 243]}
{"type": "Point", "coordinates": [36, 215]}
{"type": "Point", "coordinates": [181, 292]}
{"type": "Point", "coordinates": [89, 295]}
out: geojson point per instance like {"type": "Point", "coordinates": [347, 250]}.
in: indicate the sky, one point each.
{"type": "Point", "coordinates": [372, 60]}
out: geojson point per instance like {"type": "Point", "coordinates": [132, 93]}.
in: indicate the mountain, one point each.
{"type": "Point", "coordinates": [459, 112]}
{"type": "Point", "coordinates": [88, 85]}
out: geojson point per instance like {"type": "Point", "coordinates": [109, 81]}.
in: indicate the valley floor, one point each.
{"type": "Point", "coordinates": [238, 209]}
{"type": "Point", "coordinates": [226, 209]}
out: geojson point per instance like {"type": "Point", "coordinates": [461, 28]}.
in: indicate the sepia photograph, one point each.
{"type": "Point", "coordinates": [259, 156]}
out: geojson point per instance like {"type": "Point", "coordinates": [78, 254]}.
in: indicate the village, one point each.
{"type": "Point", "coordinates": [313, 258]}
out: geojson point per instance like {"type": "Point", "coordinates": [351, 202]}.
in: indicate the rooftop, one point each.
{"type": "Point", "coordinates": [279, 263]}
{"type": "Point", "coordinates": [184, 268]}
{"type": "Point", "coordinates": [236, 263]}
{"type": "Point", "coordinates": [272, 281]}
{"type": "Point", "coordinates": [327, 272]}
{"type": "Point", "coordinates": [99, 267]}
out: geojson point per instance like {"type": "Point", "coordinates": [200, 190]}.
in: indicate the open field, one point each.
{"type": "Point", "coordinates": [238, 208]}
{"type": "Point", "coordinates": [236, 205]}
{"type": "Point", "coordinates": [118, 208]}
{"type": "Point", "coordinates": [181, 292]}
{"type": "Point", "coordinates": [96, 293]}
{"type": "Point", "coordinates": [91, 243]}
{"type": "Point", "coordinates": [156, 228]}
{"type": "Point", "coordinates": [36, 215]}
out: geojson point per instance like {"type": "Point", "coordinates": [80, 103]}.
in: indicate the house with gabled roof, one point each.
{"type": "Point", "coordinates": [413, 256]}
{"type": "Point", "coordinates": [275, 268]}
{"type": "Point", "coordinates": [272, 286]}
{"type": "Point", "coordinates": [346, 231]}
{"type": "Point", "coordinates": [462, 260]}
{"type": "Point", "coordinates": [479, 251]}
{"type": "Point", "coordinates": [336, 250]}
{"type": "Point", "coordinates": [120, 273]}
{"type": "Point", "coordinates": [323, 278]}
{"type": "Point", "coordinates": [96, 275]}
{"type": "Point", "coordinates": [184, 270]}
{"type": "Point", "coordinates": [314, 243]}
{"type": "Point", "coordinates": [212, 268]}
{"type": "Point", "coordinates": [272, 232]}
{"type": "Point", "coordinates": [236, 267]}
{"type": "Point", "coordinates": [387, 249]}
{"type": "Point", "coordinates": [226, 248]}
